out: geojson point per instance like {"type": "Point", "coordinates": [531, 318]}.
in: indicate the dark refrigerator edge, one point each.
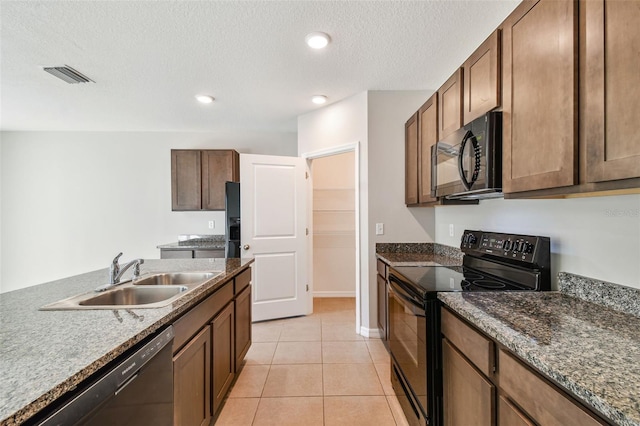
{"type": "Point", "coordinates": [232, 219]}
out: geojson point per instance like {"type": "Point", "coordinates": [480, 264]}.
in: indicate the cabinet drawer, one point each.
{"type": "Point", "coordinates": [476, 347]}
{"type": "Point", "coordinates": [543, 402]}
{"type": "Point", "coordinates": [382, 269]}
{"type": "Point", "coordinates": [242, 280]}
{"type": "Point", "coordinates": [189, 324]}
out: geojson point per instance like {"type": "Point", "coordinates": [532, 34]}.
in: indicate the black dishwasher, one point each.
{"type": "Point", "coordinates": [135, 390]}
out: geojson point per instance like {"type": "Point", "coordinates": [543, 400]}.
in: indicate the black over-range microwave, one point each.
{"type": "Point", "coordinates": [467, 165]}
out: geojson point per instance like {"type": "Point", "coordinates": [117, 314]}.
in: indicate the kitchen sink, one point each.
{"type": "Point", "coordinates": [177, 278]}
{"type": "Point", "coordinates": [151, 291]}
{"type": "Point", "coordinates": [134, 296]}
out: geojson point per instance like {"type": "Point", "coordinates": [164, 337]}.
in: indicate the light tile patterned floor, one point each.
{"type": "Point", "coordinates": [313, 370]}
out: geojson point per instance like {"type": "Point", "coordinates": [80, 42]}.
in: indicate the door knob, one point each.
{"type": "Point", "coordinates": [246, 246]}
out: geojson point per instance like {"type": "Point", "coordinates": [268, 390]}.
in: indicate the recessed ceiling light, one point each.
{"type": "Point", "coordinates": [319, 99]}
{"type": "Point", "coordinates": [317, 40]}
{"type": "Point", "coordinates": [205, 99]}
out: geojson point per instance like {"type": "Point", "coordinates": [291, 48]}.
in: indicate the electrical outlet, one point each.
{"type": "Point", "coordinates": [451, 233]}
{"type": "Point", "coordinates": [212, 224]}
{"type": "Point", "coordinates": [379, 228]}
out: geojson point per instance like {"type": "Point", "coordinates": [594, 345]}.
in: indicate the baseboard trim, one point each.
{"type": "Point", "coordinates": [370, 332]}
{"type": "Point", "coordinates": [334, 294]}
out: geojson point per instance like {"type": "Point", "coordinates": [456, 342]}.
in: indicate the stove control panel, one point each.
{"type": "Point", "coordinates": [521, 248]}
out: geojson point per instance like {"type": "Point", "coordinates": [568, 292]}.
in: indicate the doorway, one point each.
{"type": "Point", "coordinates": [334, 246]}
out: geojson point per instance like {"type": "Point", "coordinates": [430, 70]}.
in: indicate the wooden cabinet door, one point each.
{"type": "Point", "coordinates": [223, 353]}
{"type": "Point", "coordinates": [509, 415]}
{"type": "Point", "coordinates": [218, 167]}
{"type": "Point", "coordinates": [450, 105]}
{"type": "Point", "coordinates": [611, 64]}
{"type": "Point", "coordinates": [411, 160]}
{"type": "Point", "coordinates": [185, 180]}
{"type": "Point", "coordinates": [243, 325]}
{"type": "Point", "coordinates": [382, 307]}
{"type": "Point", "coordinates": [469, 398]}
{"type": "Point", "coordinates": [192, 381]}
{"type": "Point", "coordinates": [540, 96]}
{"type": "Point", "coordinates": [482, 79]}
{"type": "Point", "coordinates": [427, 136]}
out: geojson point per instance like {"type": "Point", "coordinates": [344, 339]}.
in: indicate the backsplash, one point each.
{"type": "Point", "coordinates": [423, 248]}
{"type": "Point", "coordinates": [615, 296]}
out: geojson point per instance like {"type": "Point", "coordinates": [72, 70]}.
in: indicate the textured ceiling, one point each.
{"type": "Point", "coordinates": [149, 58]}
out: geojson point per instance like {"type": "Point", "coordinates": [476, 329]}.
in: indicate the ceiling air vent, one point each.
{"type": "Point", "coordinates": [68, 74]}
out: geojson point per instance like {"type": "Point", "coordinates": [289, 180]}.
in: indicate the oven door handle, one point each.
{"type": "Point", "coordinates": [395, 289]}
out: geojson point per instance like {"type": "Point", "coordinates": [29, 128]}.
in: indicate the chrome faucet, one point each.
{"type": "Point", "coordinates": [116, 271]}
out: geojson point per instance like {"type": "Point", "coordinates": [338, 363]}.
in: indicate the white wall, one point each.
{"type": "Point", "coordinates": [376, 120]}
{"type": "Point", "coordinates": [72, 200]}
{"type": "Point", "coordinates": [598, 237]}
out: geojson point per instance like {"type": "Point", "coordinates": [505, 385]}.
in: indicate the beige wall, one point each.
{"type": "Point", "coordinates": [334, 230]}
{"type": "Point", "coordinates": [598, 237]}
{"type": "Point", "coordinates": [375, 120]}
{"type": "Point", "coordinates": [71, 201]}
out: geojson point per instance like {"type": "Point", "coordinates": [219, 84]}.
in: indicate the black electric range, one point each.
{"type": "Point", "coordinates": [492, 262]}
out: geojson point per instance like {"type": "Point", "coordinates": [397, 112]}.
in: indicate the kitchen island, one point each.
{"type": "Point", "coordinates": [44, 354]}
{"type": "Point", "coordinates": [584, 338]}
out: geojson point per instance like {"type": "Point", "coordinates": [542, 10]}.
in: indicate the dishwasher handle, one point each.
{"type": "Point", "coordinates": [109, 384]}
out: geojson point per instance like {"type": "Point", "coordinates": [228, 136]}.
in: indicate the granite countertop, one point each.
{"type": "Point", "coordinates": [44, 354]}
{"type": "Point", "coordinates": [196, 242]}
{"type": "Point", "coordinates": [193, 245]}
{"type": "Point", "coordinates": [590, 349]}
{"type": "Point", "coordinates": [418, 254]}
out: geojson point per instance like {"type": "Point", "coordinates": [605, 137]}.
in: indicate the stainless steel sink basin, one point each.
{"type": "Point", "coordinates": [176, 278]}
{"type": "Point", "coordinates": [134, 296]}
{"type": "Point", "coordinates": [152, 291]}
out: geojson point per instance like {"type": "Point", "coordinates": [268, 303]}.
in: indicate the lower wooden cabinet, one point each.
{"type": "Point", "coordinates": [383, 314]}
{"type": "Point", "coordinates": [243, 325]}
{"type": "Point", "coordinates": [192, 381]}
{"type": "Point", "coordinates": [509, 415]}
{"type": "Point", "coordinates": [477, 390]}
{"type": "Point", "coordinates": [223, 351]}
{"type": "Point", "coordinates": [468, 395]}
{"type": "Point", "coordinates": [210, 342]}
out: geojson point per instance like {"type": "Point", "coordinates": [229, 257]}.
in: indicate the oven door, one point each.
{"type": "Point", "coordinates": [408, 346]}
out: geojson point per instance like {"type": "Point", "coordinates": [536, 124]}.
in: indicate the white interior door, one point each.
{"type": "Point", "coordinates": [273, 231]}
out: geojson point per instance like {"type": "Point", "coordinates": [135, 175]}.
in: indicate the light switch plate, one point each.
{"type": "Point", "coordinates": [451, 230]}
{"type": "Point", "coordinates": [379, 228]}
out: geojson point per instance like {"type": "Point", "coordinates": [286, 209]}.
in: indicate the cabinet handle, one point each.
{"type": "Point", "coordinates": [246, 246]}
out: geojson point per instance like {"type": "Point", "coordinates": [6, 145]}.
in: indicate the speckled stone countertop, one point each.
{"type": "Point", "coordinates": [590, 349]}
{"type": "Point", "coordinates": [44, 354]}
{"type": "Point", "coordinates": [211, 242]}
{"type": "Point", "coordinates": [418, 254]}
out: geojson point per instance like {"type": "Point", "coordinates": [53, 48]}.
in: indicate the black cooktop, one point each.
{"type": "Point", "coordinates": [428, 280]}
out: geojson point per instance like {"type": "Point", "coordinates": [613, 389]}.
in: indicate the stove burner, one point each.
{"type": "Point", "coordinates": [488, 284]}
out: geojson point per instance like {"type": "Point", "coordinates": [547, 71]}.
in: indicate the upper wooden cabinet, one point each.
{"type": "Point", "coordinates": [198, 178]}
{"type": "Point", "coordinates": [610, 62]}
{"type": "Point", "coordinates": [540, 96]}
{"type": "Point", "coordinates": [482, 79]}
{"type": "Point", "coordinates": [450, 104]}
{"type": "Point", "coordinates": [421, 133]}
{"type": "Point", "coordinates": [411, 160]}
{"type": "Point", "coordinates": [427, 137]}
